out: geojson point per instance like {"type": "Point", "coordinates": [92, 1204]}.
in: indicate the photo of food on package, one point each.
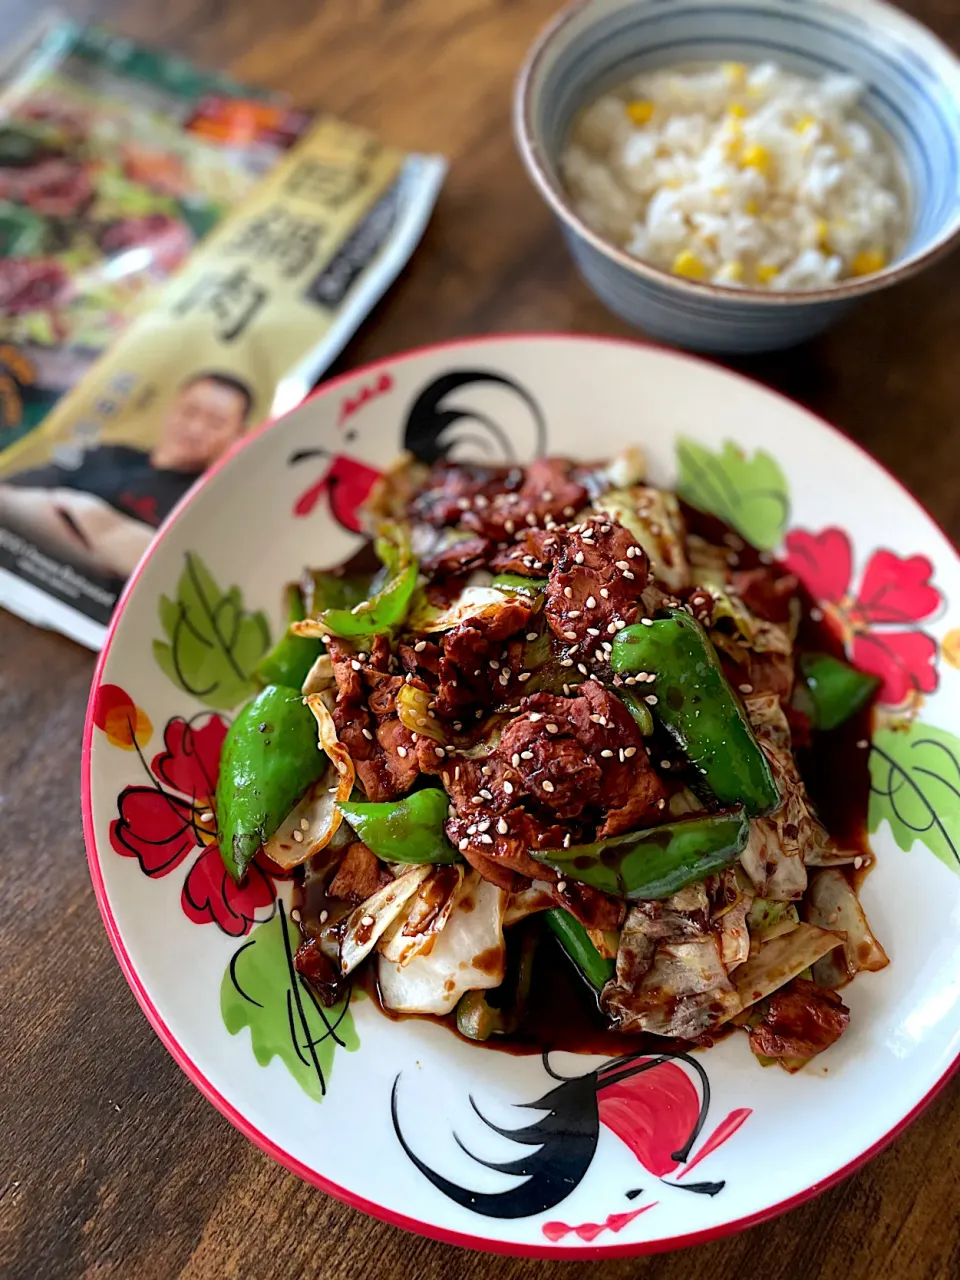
{"type": "Point", "coordinates": [237, 336]}
{"type": "Point", "coordinates": [114, 162]}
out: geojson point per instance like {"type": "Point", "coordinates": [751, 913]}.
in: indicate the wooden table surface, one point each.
{"type": "Point", "coordinates": [113, 1164]}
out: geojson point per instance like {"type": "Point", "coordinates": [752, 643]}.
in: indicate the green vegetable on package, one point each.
{"type": "Point", "coordinates": [656, 862]}
{"type": "Point", "coordinates": [270, 756]}
{"type": "Point", "coordinates": [697, 706]}
{"type": "Point", "coordinates": [407, 830]}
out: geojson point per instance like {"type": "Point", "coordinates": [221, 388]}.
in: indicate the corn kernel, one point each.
{"type": "Point", "coordinates": [822, 231]}
{"type": "Point", "coordinates": [750, 206]}
{"type": "Point", "coordinates": [805, 124]}
{"type": "Point", "coordinates": [737, 110]}
{"type": "Point", "coordinates": [756, 157]}
{"type": "Point", "coordinates": [686, 263]}
{"type": "Point", "coordinates": [867, 261]}
{"type": "Point", "coordinates": [736, 74]}
{"type": "Point", "coordinates": [720, 192]}
{"type": "Point", "coordinates": [730, 273]}
{"type": "Point", "coordinates": [640, 112]}
{"type": "Point", "coordinates": [766, 272]}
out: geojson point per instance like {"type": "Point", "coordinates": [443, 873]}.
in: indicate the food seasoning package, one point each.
{"type": "Point", "coordinates": [236, 337]}
{"type": "Point", "coordinates": [115, 161]}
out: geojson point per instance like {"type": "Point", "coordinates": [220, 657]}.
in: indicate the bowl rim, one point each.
{"type": "Point", "coordinates": [180, 1054]}
{"type": "Point", "coordinates": [539, 169]}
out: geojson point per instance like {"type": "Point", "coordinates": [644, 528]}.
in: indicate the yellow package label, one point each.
{"type": "Point", "coordinates": [238, 335]}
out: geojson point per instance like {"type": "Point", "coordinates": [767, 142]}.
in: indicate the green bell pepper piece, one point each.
{"type": "Point", "coordinates": [407, 830]}
{"type": "Point", "coordinates": [270, 756]}
{"type": "Point", "coordinates": [291, 657]}
{"type": "Point", "coordinates": [534, 587]}
{"type": "Point", "coordinates": [698, 708]}
{"type": "Point", "coordinates": [575, 940]}
{"type": "Point", "coordinates": [387, 607]}
{"type": "Point", "coordinates": [837, 690]}
{"type": "Point", "coordinates": [639, 710]}
{"type": "Point", "coordinates": [656, 862]}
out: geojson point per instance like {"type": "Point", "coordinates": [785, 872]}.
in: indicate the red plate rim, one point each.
{"type": "Point", "coordinates": [179, 1054]}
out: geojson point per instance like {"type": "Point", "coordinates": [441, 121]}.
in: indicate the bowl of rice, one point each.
{"type": "Point", "coordinates": [732, 177]}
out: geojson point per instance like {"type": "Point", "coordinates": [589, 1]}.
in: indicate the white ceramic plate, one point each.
{"type": "Point", "coordinates": [605, 1169]}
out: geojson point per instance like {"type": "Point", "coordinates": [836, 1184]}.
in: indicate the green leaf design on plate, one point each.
{"type": "Point", "coordinates": [262, 990]}
{"type": "Point", "coordinates": [748, 493]}
{"type": "Point", "coordinates": [915, 785]}
{"type": "Point", "coordinates": [213, 644]}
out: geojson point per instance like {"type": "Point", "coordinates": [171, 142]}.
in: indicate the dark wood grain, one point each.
{"type": "Point", "coordinates": [113, 1164]}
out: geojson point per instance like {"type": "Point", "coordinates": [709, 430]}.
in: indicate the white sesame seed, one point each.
{"type": "Point", "coordinates": [526, 755]}
{"type": "Point", "coordinates": [367, 920]}
{"type": "Point", "coordinates": [440, 751]}
{"type": "Point", "coordinates": [582, 669]}
{"type": "Point", "coordinates": [573, 613]}
{"type": "Point", "coordinates": [604, 593]}
{"type": "Point", "coordinates": [745, 688]}
{"type": "Point", "coordinates": [611, 628]}
{"type": "Point", "coordinates": [566, 841]}
{"type": "Point", "coordinates": [509, 527]}
{"type": "Point", "coordinates": [207, 816]}
{"type": "Point", "coordinates": [524, 676]}
{"type": "Point", "coordinates": [561, 886]}
{"type": "Point", "coordinates": [552, 728]}
{"type": "Point", "coordinates": [647, 622]}
{"type": "Point", "coordinates": [472, 829]}
{"type": "Point", "coordinates": [568, 593]}
{"type": "Point", "coordinates": [569, 635]}
{"type": "Point", "coordinates": [484, 825]}
{"type": "Point", "coordinates": [547, 785]}
{"type": "Point", "coordinates": [367, 734]}
{"type": "Point", "coordinates": [531, 519]}
{"type": "Point", "coordinates": [324, 916]}
{"type": "Point", "coordinates": [419, 646]}
{"type": "Point", "coordinates": [606, 754]}
{"type": "Point", "coordinates": [622, 564]}
{"type": "Point", "coordinates": [463, 844]}
{"type": "Point", "coordinates": [619, 624]}
{"type": "Point", "coordinates": [579, 557]}
{"type": "Point", "coordinates": [598, 720]}
{"type": "Point", "coordinates": [863, 744]}
{"type": "Point", "coordinates": [566, 662]}
{"type": "Point", "coordinates": [535, 716]}
{"type": "Point", "coordinates": [298, 836]}
{"type": "Point", "coordinates": [355, 664]}
{"type": "Point", "coordinates": [664, 764]}
{"type": "Point", "coordinates": [630, 752]}
{"type": "Point", "coordinates": [592, 631]}
{"type": "Point", "coordinates": [402, 752]}
{"type": "Point", "coordinates": [508, 786]}
{"type": "Point", "coordinates": [858, 862]}
{"type": "Point", "coordinates": [651, 699]}
{"type": "Point", "coordinates": [502, 827]}
{"type": "Point", "coordinates": [487, 795]}
{"type": "Point", "coordinates": [816, 615]}
{"type": "Point", "coordinates": [628, 574]}
{"type": "Point", "coordinates": [485, 839]}
{"type": "Point", "coordinates": [531, 635]}
{"type": "Point", "coordinates": [295, 916]}
{"type": "Point", "coordinates": [569, 511]}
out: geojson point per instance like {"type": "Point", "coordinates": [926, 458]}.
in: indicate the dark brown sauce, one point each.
{"type": "Point", "coordinates": [563, 1012]}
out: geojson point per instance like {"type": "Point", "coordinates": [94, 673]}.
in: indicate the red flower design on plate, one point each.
{"type": "Point", "coordinates": [163, 823]}
{"type": "Point", "coordinates": [876, 620]}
